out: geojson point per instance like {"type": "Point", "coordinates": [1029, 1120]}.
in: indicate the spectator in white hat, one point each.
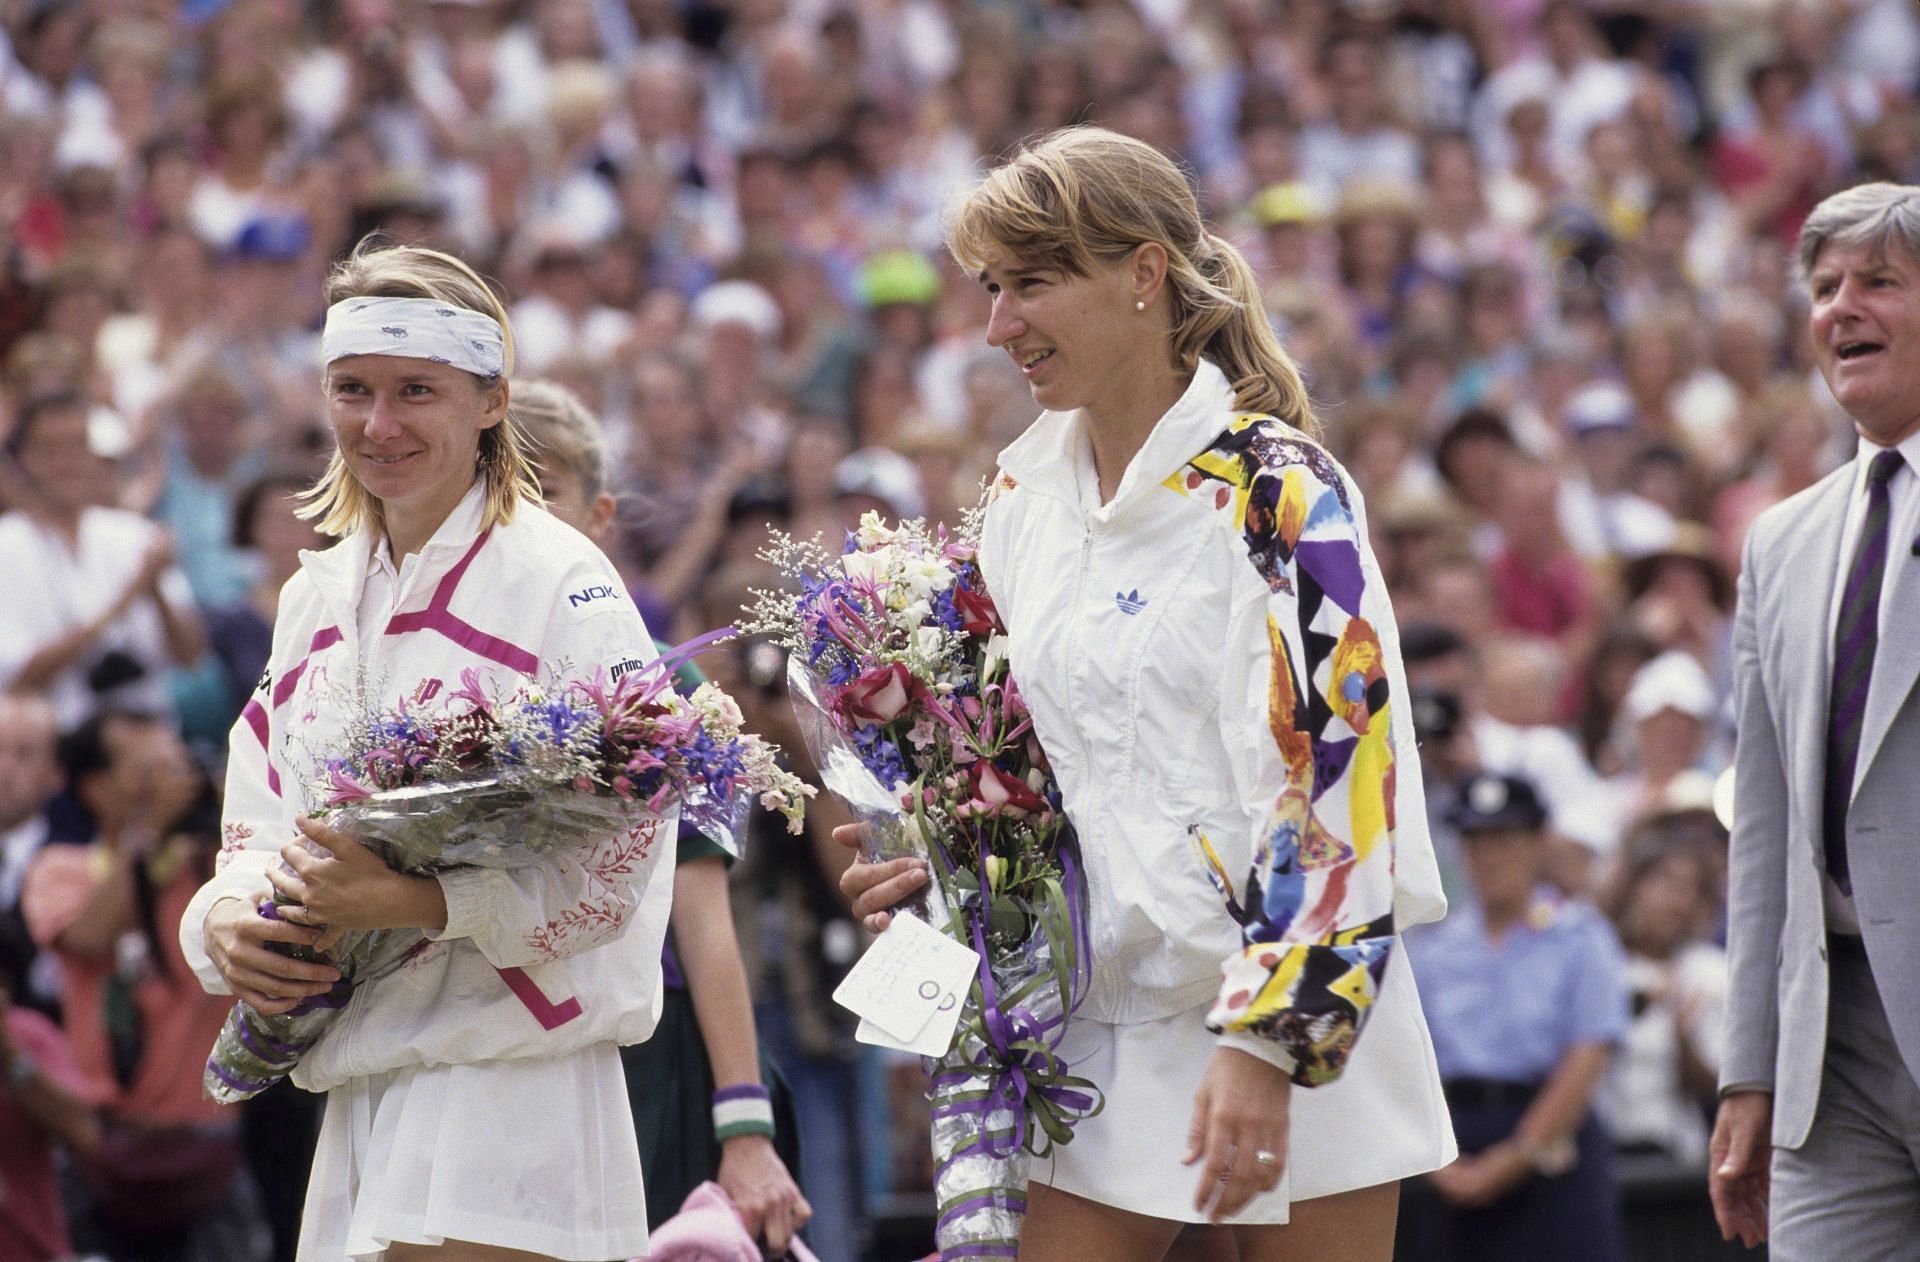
{"type": "Point", "coordinates": [740, 324]}
{"type": "Point", "coordinates": [1601, 517]}
{"type": "Point", "coordinates": [1670, 710]}
{"type": "Point", "coordinates": [562, 315]}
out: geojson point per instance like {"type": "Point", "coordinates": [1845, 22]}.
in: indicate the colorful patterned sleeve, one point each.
{"type": "Point", "coordinates": [1315, 759]}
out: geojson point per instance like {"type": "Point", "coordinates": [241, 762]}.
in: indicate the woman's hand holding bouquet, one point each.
{"type": "Point", "coordinates": [485, 781]}
{"type": "Point", "coordinates": [899, 674]}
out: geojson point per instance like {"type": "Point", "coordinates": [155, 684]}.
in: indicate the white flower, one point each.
{"type": "Point", "coordinates": [996, 650]}
{"type": "Point", "coordinates": [873, 531]}
{"type": "Point", "coordinates": [930, 641]}
{"type": "Point", "coordinates": [710, 698]}
{"type": "Point", "coordinates": [863, 566]}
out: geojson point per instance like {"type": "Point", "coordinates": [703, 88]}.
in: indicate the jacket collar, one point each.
{"type": "Point", "coordinates": [339, 574]}
{"type": "Point", "coordinates": [1055, 456]}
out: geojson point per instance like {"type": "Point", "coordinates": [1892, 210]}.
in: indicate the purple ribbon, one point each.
{"type": "Point", "coordinates": [335, 998]}
{"type": "Point", "coordinates": [282, 1053]}
{"type": "Point", "coordinates": [245, 1086]}
{"type": "Point", "coordinates": [680, 654]}
{"type": "Point", "coordinates": [1004, 1066]}
{"type": "Point", "coordinates": [1082, 943]}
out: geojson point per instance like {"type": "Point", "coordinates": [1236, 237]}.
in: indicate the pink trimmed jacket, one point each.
{"type": "Point", "coordinates": [539, 961]}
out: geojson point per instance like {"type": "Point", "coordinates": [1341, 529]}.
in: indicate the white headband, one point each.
{"type": "Point", "coordinates": [419, 328]}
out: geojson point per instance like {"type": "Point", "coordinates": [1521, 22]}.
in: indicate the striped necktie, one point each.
{"type": "Point", "coordinates": [1855, 637]}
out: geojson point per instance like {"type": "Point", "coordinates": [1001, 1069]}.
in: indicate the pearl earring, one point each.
{"type": "Point", "coordinates": [1139, 305]}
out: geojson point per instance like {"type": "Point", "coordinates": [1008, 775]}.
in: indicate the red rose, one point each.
{"type": "Point", "coordinates": [879, 696]}
{"type": "Point", "coordinates": [1002, 791]}
{"type": "Point", "coordinates": [978, 615]}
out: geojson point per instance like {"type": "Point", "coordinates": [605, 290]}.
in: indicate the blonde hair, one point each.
{"type": "Point", "coordinates": [1082, 197]}
{"type": "Point", "coordinates": [338, 504]}
{"type": "Point", "coordinates": [561, 431]}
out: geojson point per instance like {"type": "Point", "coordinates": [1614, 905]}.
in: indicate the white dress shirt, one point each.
{"type": "Point", "coordinates": [58, 585]}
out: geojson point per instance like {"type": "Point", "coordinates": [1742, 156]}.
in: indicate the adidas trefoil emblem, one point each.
{"type": "Point", "coordinates": [1130, 602]}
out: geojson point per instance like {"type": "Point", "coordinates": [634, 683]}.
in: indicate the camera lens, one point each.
{"type": "Point", "coordinates": [765, 664]}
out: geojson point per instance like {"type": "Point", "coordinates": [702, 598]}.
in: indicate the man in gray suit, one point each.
{"type": "Point", "coordinates": [1818, 1136]}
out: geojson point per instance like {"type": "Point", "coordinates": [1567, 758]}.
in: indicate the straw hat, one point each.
{"type": "Point", "coordinates": [1693, 544]}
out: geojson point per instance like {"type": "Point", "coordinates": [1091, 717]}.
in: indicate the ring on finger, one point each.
{"type": "Point", "coordinates": [1266, 1157]}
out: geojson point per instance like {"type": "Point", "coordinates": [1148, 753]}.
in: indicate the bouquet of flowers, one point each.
{"type": "Point", "coordinates": [898, 671]}
{"type": "Point", "coordinates": [502, 782]}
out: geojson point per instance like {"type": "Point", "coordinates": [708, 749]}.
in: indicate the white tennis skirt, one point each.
{"type": "Point", "coordinates": [536, 1154]}
{"type": "Point", "coordinates": [1382, 1120]}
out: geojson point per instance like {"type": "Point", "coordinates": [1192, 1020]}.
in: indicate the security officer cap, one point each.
{"type": "Point", "coordinates": [1488, 800]}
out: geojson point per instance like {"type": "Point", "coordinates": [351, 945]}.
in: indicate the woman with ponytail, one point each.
{"type": "Point", "coordinates": [1202, 633]}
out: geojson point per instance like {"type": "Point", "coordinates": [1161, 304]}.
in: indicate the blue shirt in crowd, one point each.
{"type": "Point", "coordinates": [1510, 1010]}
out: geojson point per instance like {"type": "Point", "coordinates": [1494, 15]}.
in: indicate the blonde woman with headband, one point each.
{"type": "Point", "coordinates": [705, 1104]}
{"type": "Point", "coordinates": [475, 1103]}
{"type": "Point", "coordinates": [1211, 660]}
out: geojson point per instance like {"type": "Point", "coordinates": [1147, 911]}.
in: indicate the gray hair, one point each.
{"type": "Point", "coordinates": [1870, 215]}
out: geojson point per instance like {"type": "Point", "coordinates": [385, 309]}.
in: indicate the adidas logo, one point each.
{"type": "Point", "coordinates": [1130, 602]}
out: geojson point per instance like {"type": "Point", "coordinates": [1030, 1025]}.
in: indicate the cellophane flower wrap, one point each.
{"type": "Point", "coordinates": [502, 781]}
{"type": "Point", "coordinates": [899, 675]}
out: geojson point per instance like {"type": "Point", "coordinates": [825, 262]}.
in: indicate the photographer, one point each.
{"type": "Point", "coordinates": [109, 611]}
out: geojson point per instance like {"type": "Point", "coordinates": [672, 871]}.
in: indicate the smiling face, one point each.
{"type": "Point", "coordinates": [409, 431]}
{"type": "Point", "coordinates": [1865, 328]}
{"type": "Point", "coordinates": [1077, 340]}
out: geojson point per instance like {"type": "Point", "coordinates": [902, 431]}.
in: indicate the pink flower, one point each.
{"type": "Point", "coordinates": [344, 789]}
{"type": "Point", "coordinates": [999, 791]}
{"type": "Point", "coordinates": [879, 696]}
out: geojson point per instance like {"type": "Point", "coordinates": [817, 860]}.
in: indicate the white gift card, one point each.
{"type": "Point", "coordinates": [911, 978]}
{"type": "Point", "coordinates": [933, 1040]}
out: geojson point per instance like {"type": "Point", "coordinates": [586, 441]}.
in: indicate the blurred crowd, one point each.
{"type": "Point", "coordinates": [1534, 259]}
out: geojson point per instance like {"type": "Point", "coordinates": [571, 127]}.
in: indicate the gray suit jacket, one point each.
{"type": "Point", "coordinates": [1782, 648]}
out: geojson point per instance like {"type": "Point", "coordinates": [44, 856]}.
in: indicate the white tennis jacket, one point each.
{"type": "Point", "coordinates": [1214, 671]}
{"type": "Point", "coordinates": [539, 961]}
